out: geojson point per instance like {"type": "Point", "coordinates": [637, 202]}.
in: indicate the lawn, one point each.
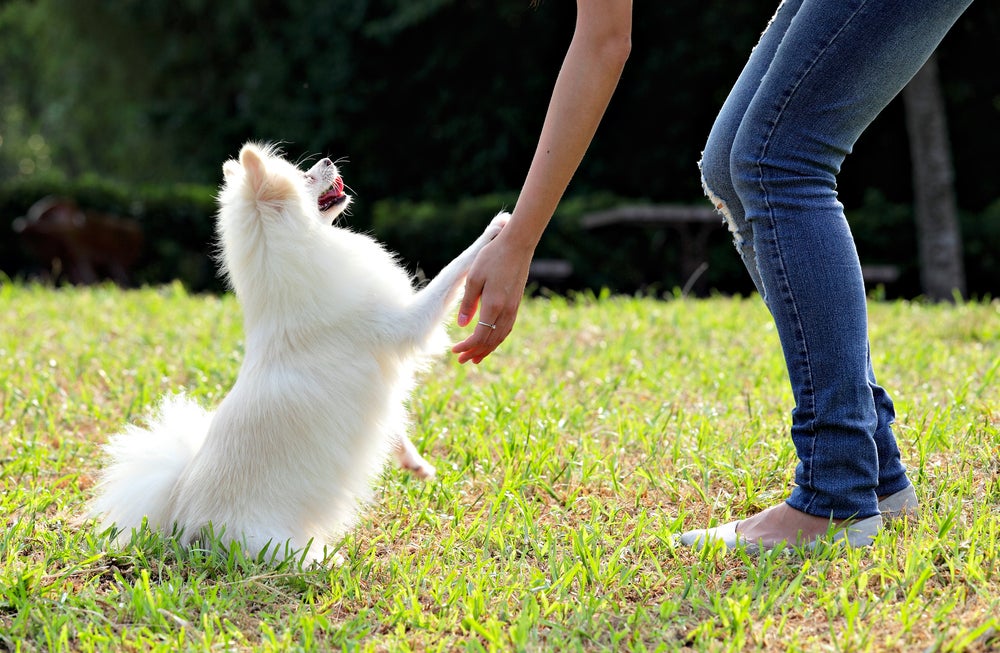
{"type": "Point", "coordinates": [566, 464]}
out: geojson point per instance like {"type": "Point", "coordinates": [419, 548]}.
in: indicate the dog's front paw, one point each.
{"type": "Point", "coordinates": [498, 223]}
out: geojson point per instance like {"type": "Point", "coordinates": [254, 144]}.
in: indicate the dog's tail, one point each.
{"type": "Point", "coordinates": [144, 465]}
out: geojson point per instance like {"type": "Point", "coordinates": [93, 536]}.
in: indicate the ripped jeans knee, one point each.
{"type": "Point", "coordinates": [716, 181]}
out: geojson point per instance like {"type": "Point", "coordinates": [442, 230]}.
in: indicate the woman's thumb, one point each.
{"type": "Point", "coordinates": [470, 301]}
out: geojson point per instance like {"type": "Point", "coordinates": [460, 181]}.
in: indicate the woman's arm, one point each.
{"type": "Point", "coordinates": [593, 64]}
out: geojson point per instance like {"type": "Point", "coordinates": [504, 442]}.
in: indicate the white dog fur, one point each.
{"type": "Point", "coordinates": [334, 335]}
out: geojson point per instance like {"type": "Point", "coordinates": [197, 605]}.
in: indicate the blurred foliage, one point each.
{"type": "Point", "coordinates": [178, 222]}
{"type": "Point", "coordinates": [428, 99]}
{"type": "Point", "coordinates": [432, 100]}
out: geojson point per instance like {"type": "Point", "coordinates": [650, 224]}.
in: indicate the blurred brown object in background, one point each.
{"type": "Point", "coordinates": [80, 245]}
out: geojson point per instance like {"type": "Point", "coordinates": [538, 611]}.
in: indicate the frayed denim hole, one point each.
{"type": "Point", "coordinates": [723, 210]}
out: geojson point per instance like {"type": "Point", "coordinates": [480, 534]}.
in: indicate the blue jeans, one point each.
{"type": "Point", "coordinates": [823, 70]}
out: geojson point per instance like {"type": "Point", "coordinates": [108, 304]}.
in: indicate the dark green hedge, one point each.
{"type": "Point", "coordinates": [630, 259]}
{"type": "Point", "coordinates": [178, 221]}
{"type": "Point", "coordinates": [623, 259]}
{"type": "Point", "coordinates": [885, 233]}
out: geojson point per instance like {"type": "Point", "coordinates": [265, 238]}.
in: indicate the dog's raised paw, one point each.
{"type": "Point", "coordinates": [497, 224]}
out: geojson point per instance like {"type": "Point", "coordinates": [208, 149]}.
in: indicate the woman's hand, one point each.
{"type": "Point", "coordinates": [497, 278]}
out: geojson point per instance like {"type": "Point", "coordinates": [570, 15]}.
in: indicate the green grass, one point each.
{"type": "Point", "coordinates": [566, 462]}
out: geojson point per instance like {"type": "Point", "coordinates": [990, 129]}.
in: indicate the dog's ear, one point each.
{"type": "Point", "coordinates": [264, 187]}
{"type": "Point", "coordinates": [253, 166]}
{"type": "Point", "coordinates": [230, 169]}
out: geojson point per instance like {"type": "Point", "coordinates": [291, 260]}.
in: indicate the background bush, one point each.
{"type": "Point", "coordinates": [132, 106]}
{"type": "Point", "coordinates": [178, 223]}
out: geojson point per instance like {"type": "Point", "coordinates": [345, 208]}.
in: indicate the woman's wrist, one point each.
{"type": "Point", "coordinates": [522, 234]}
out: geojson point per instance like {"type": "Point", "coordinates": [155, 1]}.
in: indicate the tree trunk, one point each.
{"type": "Point", "coordinates": [942, 272]}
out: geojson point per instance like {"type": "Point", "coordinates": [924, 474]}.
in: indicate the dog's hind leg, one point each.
{"type": "Point", "coordinates": [410, 459]}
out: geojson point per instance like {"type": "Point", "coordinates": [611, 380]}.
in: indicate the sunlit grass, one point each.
{"type": "Point", "coordinates": [566, 462]}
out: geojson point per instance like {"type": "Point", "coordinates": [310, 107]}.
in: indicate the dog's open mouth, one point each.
{"type": "Point", "coordinates": [332, 196]}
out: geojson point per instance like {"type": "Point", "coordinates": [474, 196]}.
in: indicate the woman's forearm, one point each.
{"type": "Point", "coordinates": [590, 72]}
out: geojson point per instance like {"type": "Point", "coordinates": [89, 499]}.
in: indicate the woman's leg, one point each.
{"type": "Point", "coordinates": [716, 173]}
{"type": "Point", "coordinates": [835, 66]}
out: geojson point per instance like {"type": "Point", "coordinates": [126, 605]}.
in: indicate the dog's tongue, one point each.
{"type": "Point", "coordinates": [327, 199]}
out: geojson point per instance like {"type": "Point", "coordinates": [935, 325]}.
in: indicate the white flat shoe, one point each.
{"type": "Point", "coordinates": [725, 533]}
{"type": "Point", "coordinates": [902, 504]}
{"type": "Point", "coordinates": [853, 534]}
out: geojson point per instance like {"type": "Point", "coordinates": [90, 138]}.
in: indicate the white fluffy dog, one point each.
{"type": "Point", "coordinates": [334, 335]}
